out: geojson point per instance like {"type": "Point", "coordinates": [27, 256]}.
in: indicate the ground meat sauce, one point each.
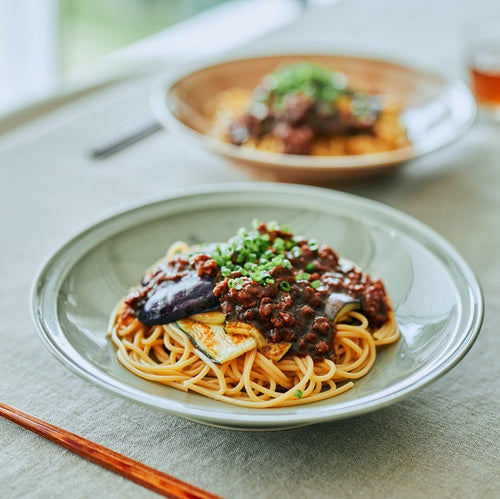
{"type": "Point", "coordinates": [299, 131]}
{"type": "Point", "coordinates": [286, 309]}
{"type": "Point", "coordinates": [297, 118]}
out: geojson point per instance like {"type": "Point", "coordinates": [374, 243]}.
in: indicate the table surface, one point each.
{"type": "Point", "coordinates": [442, 441]}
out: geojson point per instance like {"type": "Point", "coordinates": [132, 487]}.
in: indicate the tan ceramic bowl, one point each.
{"type": "Point", "coordinates": [435, 112]}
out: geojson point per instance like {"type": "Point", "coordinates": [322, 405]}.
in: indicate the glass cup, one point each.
{"type": "Point", "coordinates": [484, 65]}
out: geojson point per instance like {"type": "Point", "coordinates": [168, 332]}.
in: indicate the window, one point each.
{"type": "Point", "coordinates": [44, 42]}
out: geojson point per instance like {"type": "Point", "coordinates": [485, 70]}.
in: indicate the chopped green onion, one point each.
{"type": "Point", "coordinates": [267, 266]}
{"type": "Point", "coordinates": [316, 284]}
{"type": "Point", "coordinates": [279, 244]}
{"type": "Point", "coordinates": [304, 276]}
{"type": "Point", "coordinates": [310, 79]}
{"type": "Point", "coordinates": [310, 267]}
{"type": "Point", "coordinates": [254, 255]}
{"type": "Point", "coordinates": [225, 271]}
{"type": "Point", "coordinates": [257, 276]}
{"type": "Point", "coordinates": [313, 244]}
{"type": "Point", "coordinates": [235, 283]}
{"type": "Point", "coordinates": [298, 394]}
{"type": "Point", "coordinates": [285, 286]}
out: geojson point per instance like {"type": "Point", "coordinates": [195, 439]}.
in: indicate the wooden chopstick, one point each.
{"type": "Point", "coordinates": [146, 476]}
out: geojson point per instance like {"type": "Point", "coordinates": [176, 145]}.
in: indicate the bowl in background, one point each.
{"type": "Point", "coordinates": [435, 112]}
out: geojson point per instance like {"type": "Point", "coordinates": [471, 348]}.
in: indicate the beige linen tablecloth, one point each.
{"type": "Point", "coordinates": [441, 442]}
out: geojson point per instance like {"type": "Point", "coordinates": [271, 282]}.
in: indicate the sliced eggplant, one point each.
{"type": "Point", "coordinates": [246, 330]}
{"type": "Point", "coordinates": [210, 317]}
{"type": "Point", "coordinates": [338, 304]}
{"type": "Point", "coordinates": [173, 300]}
{"type": "Point", "coordinates": [214, 342]}
{"type": "Point", "coordinates": [275, 351]}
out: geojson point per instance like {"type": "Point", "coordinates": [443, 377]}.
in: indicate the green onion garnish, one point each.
{"type": "Point", "coordinates": [225, 271]}
{"type": "Point", "coordinates": [253, 255]}
{"type": "Point", "coordinates": [310, 267]}
{"type": "Point", "coordinates": [316, 284]}
{"type": "Point", "coordinates": [298, 394]}
{"type": "Point", "coordinates": [313, 244]}
{"type": "Point", "coordinates": [279, 244]}
{"type": "Point", "coordinates": [304, 276]}
{"type": "Point", "coordinates": [285, 286]}
{"type": "Point", "coordinates": [235, 283]}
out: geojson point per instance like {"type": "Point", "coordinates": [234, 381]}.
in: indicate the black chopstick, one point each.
{"type": "Point", "coordinates": [125, 139]}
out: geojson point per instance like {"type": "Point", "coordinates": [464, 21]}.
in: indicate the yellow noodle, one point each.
{"type": "Point", "coordinates": [389, 132]}
{"type": "Point", "coordinates": [251, 380]}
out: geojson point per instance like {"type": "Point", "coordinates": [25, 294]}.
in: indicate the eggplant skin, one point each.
{"type": "Point", "coordinates": [339, 304]}
{"type": "Point", "coordinates": [174, 300]}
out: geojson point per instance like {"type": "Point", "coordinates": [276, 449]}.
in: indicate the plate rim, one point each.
{"type": "Point", "coordinates": [279, 161]}
{"type": "Point", "coordinates": [267, 419]}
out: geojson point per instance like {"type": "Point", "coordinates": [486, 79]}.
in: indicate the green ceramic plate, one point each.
{"type": "Point", "coordinates": [437, 299]}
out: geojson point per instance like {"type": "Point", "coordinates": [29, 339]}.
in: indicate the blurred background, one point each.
{"type": "Point", "coordinates": [52, 45]}
{"type": "Point", "coordinates": [51, 51]}
{"type": "Point", "coordinates": [46, 44]}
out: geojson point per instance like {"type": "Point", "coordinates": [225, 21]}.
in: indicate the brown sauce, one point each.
{"type": "Point", "coordinates": [287, 309]}
{"type": "Point", "coordinates": [298, 315]}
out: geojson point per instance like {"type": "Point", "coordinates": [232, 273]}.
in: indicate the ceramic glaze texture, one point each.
{"type": "Point", "coordinates": [436, 297]}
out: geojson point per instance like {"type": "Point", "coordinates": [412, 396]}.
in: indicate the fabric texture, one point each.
{"type": "Point", "coordinates": [441, 442]}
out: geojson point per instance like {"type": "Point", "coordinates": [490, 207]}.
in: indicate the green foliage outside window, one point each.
{"type": "Point", "coordinates": [92, 28]}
